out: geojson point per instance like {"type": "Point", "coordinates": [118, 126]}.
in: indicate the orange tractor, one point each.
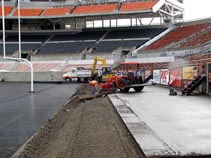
{"type": "Point", "coordinates": [129, 76]}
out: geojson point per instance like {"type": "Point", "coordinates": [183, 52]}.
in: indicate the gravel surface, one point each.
{"type": "Point", "coordinates": [81, 129]}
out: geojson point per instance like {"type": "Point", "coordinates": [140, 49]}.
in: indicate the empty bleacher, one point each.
{"type": "Point", "coordinates": [12, 48]}
{"type": "Point", "coordinates": [134, 33]}
{"type": "Point", "coordinates": [57, 11]}
{"type": "Point", "coordinates": [5, 65]}
{"type": "Point", "coordinates": [99, 8]}
{"type": "Point", "coordinates": [7, 10]}
{"type": "Point", "coordinates": [199, 40]}
{"type": "Point", "coordinates": [64, 47]}
{"type": "Point", "coordinates": [86, 35]}
{"type": "Point", "coordinates": [132, 6]}
{"type": "Point", "coordinates": [109, 46]}
{"type": "Point", "coordinates": [28, 12]}
{"type": "Point", "coordinates": [43, 66]}
{"type": "Point", "coordinates": [27, 38]}
{"type": "Point", "coordinates": [178, 34]}
{"type": "Point", "coordinates": [70, 66]}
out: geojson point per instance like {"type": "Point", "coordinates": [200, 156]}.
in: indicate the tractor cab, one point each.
{"type": "Point", "coordinates": [131, 76]}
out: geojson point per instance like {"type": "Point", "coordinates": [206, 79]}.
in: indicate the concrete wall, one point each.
{"type": "Point", "coordinates": [26, 76]}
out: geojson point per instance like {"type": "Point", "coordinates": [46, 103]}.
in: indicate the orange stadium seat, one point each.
{"type": "Point", "coordinates": [177, 35]}
{"type": "Point", "coordinates": [7, 10]}
{"type": "Point", "coordinates": [202, 39]}
{"type": "Point", "coordinates": [56, 11]}
{"type": "Point", "coordinates": [137, 5]}
{"type": "Point", "coordinates": [100, 8]}
{"type": "Point", "coordinates": [28, 12]}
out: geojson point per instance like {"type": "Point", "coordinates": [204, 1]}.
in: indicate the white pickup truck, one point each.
{"type": "Point", "coordinates": [82, 75]}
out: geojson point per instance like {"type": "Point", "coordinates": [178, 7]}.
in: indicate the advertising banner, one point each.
{"type": "Point", "coordinates": [164, 76]}
{"type": "Point", "coordinates": [189, 72]}
{"type": "Point", "coordinates": [147, 73]}
{"type": "Point", "coordinates": [176, 77]}
{"type": "Point", "coordinates": [209, 77]}
{"type": "Point", "coordinates": [156, 76]}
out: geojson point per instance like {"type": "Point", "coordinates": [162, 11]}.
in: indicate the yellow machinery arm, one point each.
{"type": "Point", "coordinates": [106, 70]}
{"type": "Point", "coordinates": [96, 59]}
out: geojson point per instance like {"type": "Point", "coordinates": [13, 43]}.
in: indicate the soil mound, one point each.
{"type": "Point", "coordinates": [81, 129]}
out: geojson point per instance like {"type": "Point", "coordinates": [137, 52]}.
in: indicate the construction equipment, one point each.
{"type": "Point", "coordinates": [82, 74]}
{"type": "Point", "coordinates": [106, 70]}
{"type": "Point", "coordinates": [127, 80]}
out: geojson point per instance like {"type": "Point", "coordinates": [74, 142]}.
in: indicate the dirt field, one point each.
{"type": "Point", "coordinates": [82, 129]}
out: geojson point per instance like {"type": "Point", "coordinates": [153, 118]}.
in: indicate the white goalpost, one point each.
{"type": "Point", "coordinates": [19, 59]}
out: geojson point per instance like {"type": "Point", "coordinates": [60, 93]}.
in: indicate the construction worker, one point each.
{"type": "Point", "coordinates": [93, 83]}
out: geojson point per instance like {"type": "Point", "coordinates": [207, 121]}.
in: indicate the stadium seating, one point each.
{"type": "Point", "coordinates": [64, 47]}
{"type": "Point", "coordinates": [176, 35]}
{"type": "Point", "coordinates": [5, 65]}
{"type": "Point", "coordinates": [21, 67]}
{"type": "Point", "coordinates": [199, 40]}
{"type": "Point", "coordinates": [109, 46]}
{"type": "Point", "coordinates": [28, 12]}
{"type": "Point", "coordinates": [37, 66]}
{"type": "Point", "coordinates": [134, 33]}
{"type": "Point", "coordinates": [11, 48]}
{"type": "Point", "coordinates": [57, 11]}
{"type": "Point", "coordinates": [132, 6]}
{"type": "Point", "coordinates": [100, 8]}
{"type": "Point", "coordinates": [7, 10]}
{"type": "Point", "coordinates": [27, 38]}
{"type": "Point", "coordinates": [70, 66]}
{"type": "Point", "coordinates": [86, 35]}
{"type": "Point", "coordinates": [45, 66]}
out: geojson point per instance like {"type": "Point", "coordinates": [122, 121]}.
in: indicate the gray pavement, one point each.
{"type": "Point", "coordinates": [166, 125]}
{"type": "Point", "coordinates": [23, 113]}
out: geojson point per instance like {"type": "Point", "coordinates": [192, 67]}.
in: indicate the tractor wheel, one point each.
{"type": "Point", "coordinates": [113, 85]}
{"type": "Point", "coordinates": [122, 84]}
{"type": "Point", "coordinates": [138, 89]}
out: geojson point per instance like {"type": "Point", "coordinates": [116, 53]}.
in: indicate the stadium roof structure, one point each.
{"type": "Point", "coordinates": [167, 11]}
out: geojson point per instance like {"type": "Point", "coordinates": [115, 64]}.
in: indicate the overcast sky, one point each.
{"type": "Point", "coordinates": [196, 9]}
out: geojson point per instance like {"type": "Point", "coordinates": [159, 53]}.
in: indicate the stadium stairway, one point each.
{"type": "Point", "coordinates": [193, 85]}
